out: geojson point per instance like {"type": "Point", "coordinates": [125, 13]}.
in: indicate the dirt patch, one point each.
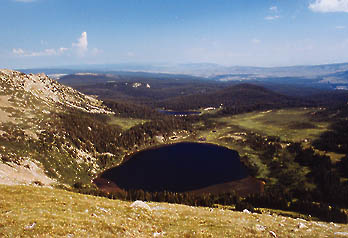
{"type": "Point", "coordinates": [26, 173]}
{"type": "Point", "coordinates": [107, 186]}
{"type": "Point", "coordinates": [4, 116]}
{"type": "Point", "coordinates": [4, 101]}
{"type": "Point", "coordinates": [31, 134]}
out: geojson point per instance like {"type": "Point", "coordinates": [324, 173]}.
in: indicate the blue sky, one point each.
{"type": "Point", "coordinates": [43, 33]}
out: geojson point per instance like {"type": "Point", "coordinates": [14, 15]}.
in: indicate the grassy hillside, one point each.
{"type": "Point", "coordinates": [27, 211]}
{"type": "Point", "coordinates": [287, 124]}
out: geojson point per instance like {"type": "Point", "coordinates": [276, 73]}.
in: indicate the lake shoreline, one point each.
{"type": "Point", "coordinates": [198, 175]}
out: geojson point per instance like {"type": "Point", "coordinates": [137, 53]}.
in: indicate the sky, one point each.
{"type": "Point", "coordinates": [51, 33]}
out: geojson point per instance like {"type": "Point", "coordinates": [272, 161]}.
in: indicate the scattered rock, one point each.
{"type": "Point", "coordinates": [140, 204]}
{"type": "Point", "coordinates": [103, 209]}
{"type": "Point", "coordinates": [343, 234]}
{"type": "Point", "coordinates": [334, 224]}
{"type": "Point", "coordinates": [158, 234]}
{"type": "Point", "coordinates": [29, 227]}
{"type": "Point", "coordinates": [260, 227]}
{"type": "Point", "coordinates": [320, 224]}
{"type": "Point", "coordinates": [301, 225]}
{"type": "Point", "coordinates": [272, 233]}
{"type": "Point", "coordinates": [158, 208]}
{"type": "Point", "coordinates": [246, 211]}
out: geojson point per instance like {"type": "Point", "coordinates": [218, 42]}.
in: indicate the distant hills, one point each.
{"type": "Point", "coordinates": [207, 70]}
{"type": "Point", "coordinates": [328, 76]}
{"type": "Point", "coordinates": [235, 99]}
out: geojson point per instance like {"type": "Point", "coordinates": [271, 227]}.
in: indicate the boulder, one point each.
{"type": "Point", "coordinates": [140, 204]}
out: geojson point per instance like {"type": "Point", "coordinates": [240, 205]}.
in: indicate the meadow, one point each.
{"type": "Point", "coordinates": [288, 124]}
{"type": "Point", "coordinates": [28, 211]}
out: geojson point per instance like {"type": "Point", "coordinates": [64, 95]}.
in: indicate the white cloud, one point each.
{"type": "Point", "coordinates": [130, 54]}
{"type": "Point", "coordinates": [50, 52]}
{"type": "Point", "coordinates": [340, 27]}
{"type": "Point", "coordinates": [45, 52]}
{"type": "Point", "coordinates": [18, 51]}
{"type": "Point", "coordinates": [25, 0]}
{"type": "Point", "coordinates": [273, 8]}
{"type": "Point", "coordinates": [255, 41]}
{"type": "Point", "coordinates": [82, 44]}
{"type": "Point", "coordinates": [329, 6]}
{"type": "Point", "coordinates": [271, 18]}
{"type": "Point", "coordinates": [96, 51]}
{"type": "Point", "coordinates": [80, 47]}
{"type": "Point", "coordinates": [63, 49]}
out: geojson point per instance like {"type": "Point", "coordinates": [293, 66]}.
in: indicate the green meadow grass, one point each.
{"type": "Point", "coordinates": [125, 123]}
{"type": "Point", "coordinates": [288, 124]}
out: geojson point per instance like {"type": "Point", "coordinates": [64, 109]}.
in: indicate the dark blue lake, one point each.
{"type": "Point", "coordinates": [178, 167]}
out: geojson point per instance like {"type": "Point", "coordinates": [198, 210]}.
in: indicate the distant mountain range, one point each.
{"type": "Point", "coordinates": [202, 69]}
{"type": "Point", "coordinates": [328, 76]}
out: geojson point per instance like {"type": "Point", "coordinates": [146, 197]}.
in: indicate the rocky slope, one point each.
{"type": "Point", "coordinates": [51, 93]}
{"type": "Point", "coordinates": [32, 144]}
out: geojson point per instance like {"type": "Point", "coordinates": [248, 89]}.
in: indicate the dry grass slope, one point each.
{"type": "Point", "coordinates": [27, 211]}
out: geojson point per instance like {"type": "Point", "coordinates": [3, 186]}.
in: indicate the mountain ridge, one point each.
{"type": "Point", "coordinates": [43, 87]}
{"type": "Point", "coordinates": [32, 137]}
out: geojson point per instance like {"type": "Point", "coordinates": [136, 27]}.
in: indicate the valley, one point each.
{"type": "Point", "coordinates": [55, 136]}
{"type": "Point", "coordinates": [187, 119]}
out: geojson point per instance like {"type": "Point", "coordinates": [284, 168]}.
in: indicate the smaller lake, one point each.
{"type": "Point", "coordinates": [179, 113]}
{"type": "Point", "coordinates": [178, 167]}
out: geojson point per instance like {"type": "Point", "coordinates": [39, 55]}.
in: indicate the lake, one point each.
{"type": "Point", "coordinates": [178, 167]}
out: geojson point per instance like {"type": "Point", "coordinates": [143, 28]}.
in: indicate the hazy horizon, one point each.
{"type": "Point", "coordinates": [137, 66]}
{"type": "Point", "coordinates": [271, 33]}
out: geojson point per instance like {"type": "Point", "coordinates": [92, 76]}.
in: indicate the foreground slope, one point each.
{"type": "Point", "coordinates": [27, 211]}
